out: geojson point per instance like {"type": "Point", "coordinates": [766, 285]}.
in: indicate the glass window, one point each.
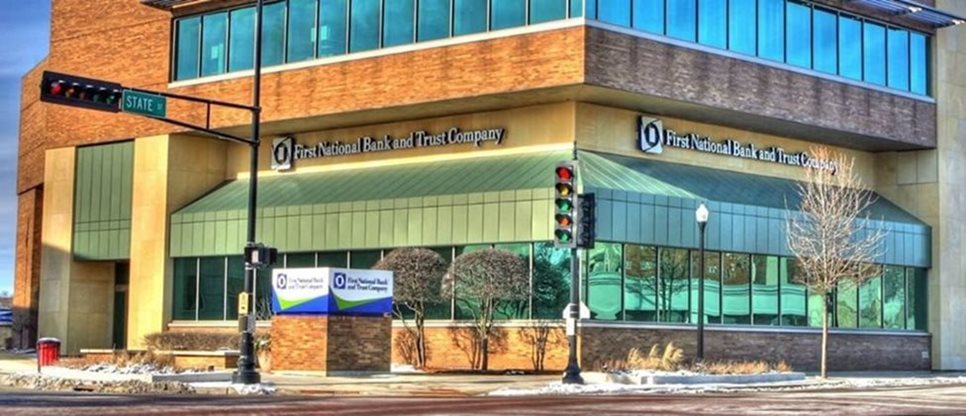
{"type": "Point", "coordinates": [591, 9]}
{"type": "Point", "coordinates": [736, 289]}
{"type": "Point", "coordinates": [241, 40]}
{"type": "Point", "coordinates": [521, 309]}
{"type": "Point", "coordinates": [824, 34]}
{"type": "Point", "coordinates": [273, 34]}
{"type": "Point", "coordinates": [850, 47]}
{"type": "Point", "coordinates": [742, 26]}
{"type": "Point", "coordinates": [898, 56]}
{"type": "Point", "coordinates": [465, 308]}
{"type": "Point", "coordinates": [681, 19]}
{"type": "Point", "coordinates": [299, 260]}
{"type": "Point", "coordinates": [332, 259]}
{"type": "Point", "coordinates": [673, 289]}
{"type": "Point", "coordinates": [617, 12]}
{"type": "Point", "coordinates": [649, 15]}
{"type": "Point", "coordinates": [185, 289]}
{"type": "Point", "coordinates": [894, 297]}
{"type": "Point", "coordinates": [604, 281]}
{"type": "Point", "coordinates": [576, 8]}
{"type": "Point", "coordinates": [213, 48]}
{"type": "Point", "coordinates": [640, 283]}
{"type": "Point", "coordinates": [470, 17]}
{"type": "Point", "coordinates": [798, 33]}
{"type": "Point", "coordinates": [870, 303]}
{"type": "Point", "coordinates": [873, 53]}
{"type": "Point", "coordinates": [771, 29]}
{"type": "Point", "coordinates": [713, 26]}
{"type": "Point", "coordinates": [712, 284]}
{"type": "Point", "coordinates": [814, 306]}
{"type": "Point", "coordinates": [916, 299]}
{"type": "Point", "coordinates": [263, 294]}
{"type": "Point", "coordinates": [236, 284]}
{"type": "Point", "coordinates": [332, 30]}
{"type": "Point", "coordinates": [189, 36]}
{"type": "Point", "coordinates": [846, 305]}
{"type": "Point", "coordinates": [507, 13]}
{"type": "Point", "coordinates": [764, 289]}
{"type": "Point", "coordinates": [364, 25]}
{"type": "Point", "coordinates": [444, 308]}
{"type": "Point", "coordinates": [792, 300]}
{"type": "Point", "coordinates": [301, 30]}
{"type": "Point", "coordinates": [433, 19]}
{"type": "Point", "coordinates": [918, 63]}
{"type": "Point", "coordinates": [547, 10]}
{"type": "Point", "coordinates": [364, 259]}
{"type": "Point", "coordinates": [211, 294]}
{"type": "Point", "coordinates": [397, 25]}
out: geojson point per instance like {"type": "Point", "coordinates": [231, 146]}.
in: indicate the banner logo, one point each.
{"type": "Point", "coordinates": [338, 281]}
{"type": "Point", "coordinates": [282, 149]}
{"type": "Point", "coordinates": [650, 135]}
{"type": "Point", "coordinates": [281, 281]}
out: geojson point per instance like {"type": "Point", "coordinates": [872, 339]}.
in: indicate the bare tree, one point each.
{"type": "Point", "coordinates": [417, 277]}
{"type": "Point", "coordinates": [831, 236]}
{"type": "Point", "coordinates": [484, 281]}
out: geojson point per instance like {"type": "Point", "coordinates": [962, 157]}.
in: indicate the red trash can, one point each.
{"type": "Point", "coordinates": [48, 351]}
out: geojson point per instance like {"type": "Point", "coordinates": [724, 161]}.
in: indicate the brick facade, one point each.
{"type": "Point", "coordinates": [358, 343]}
{"type": "Point", "coordinates": [511, 347]}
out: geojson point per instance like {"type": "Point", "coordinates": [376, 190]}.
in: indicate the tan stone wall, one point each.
{"type": "Point", "coordinates": [26, 289]}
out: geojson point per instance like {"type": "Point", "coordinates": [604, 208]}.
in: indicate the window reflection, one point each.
{"type": "Point", "coordinates": [273, 34]}
{"type": "Point", "coordinates": [189, 33]}
{"type": "Point", "coordinates": [470, 17]}
{"type": "Point", "coordinates": [742, 27]}
{"type": "Point", "coordinates": [870, 303]}
{"type": "Point", "coordinates": [332, 27]}
{"type": "Point", "coordinates": [640, 283]}
{"type": "Point", "coordinates": [397, 23]}
{"type": "Point", "coordinates": [712, 286]}
{"type": "Point", "coordinates": [505, 14]}
{"type": "Point", "coordinates": [792, 300]}
{"type": "Point", "coordinates": [898, 58]}
{"type": "Point", "coordinates": [736, 288]}
{"type": "Point", "coordinates": [604, 281]}
{"type": "Point", "coordinates": [894, 297]}
{"type": "Point", "coordinates": [364, 25]}
{"type": "Point", "coordinates": [824, 36]}
{"type": "Point", "coordinates": [673, 290]}
{"type": "Point", "coordinates": [764, 292]}
{"type": "Point", "coordinates": [551, 280]}
{"type": "Point", "coordinates": [681, 22]}
{"type": "Point", "coordinates": [433, 18]}
{"type": "Point", "coordinates": [213, 44]}
{"type": "Point", "coordinates": [649, 15]}
{"type": "Point", "coordinates": [850, 47]}
{"type": "Point", "coordinates": [873, 53]}
{"type": "Point", "coordinates": [713, 23]}
{"type": "Point", "coordinates": [241, 52]}
{"type": "Point", "coordinates": [771, 29]}
{"type": "Point", "coordinates": [301, 30]}
{"type": "Point", "coordinates": [846, 305]}
{"type": "Point", "coordinates": [798, 34]}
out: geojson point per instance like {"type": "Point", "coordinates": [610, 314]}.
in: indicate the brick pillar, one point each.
{"type": "Point", "coordinates": [359, 344]}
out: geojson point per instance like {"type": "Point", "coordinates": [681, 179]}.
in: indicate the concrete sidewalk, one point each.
{"type": "Point", "coordinates": [404, 384]}
{"type": "Point", "coordinates": [11, 363]}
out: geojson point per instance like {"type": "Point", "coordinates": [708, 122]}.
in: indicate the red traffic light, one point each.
{"type": "Point", "coordinates": [565, 173]}
{"type": "Point", "coordinates": [564, 220]}
{"type": "Point", "coordinates": [81, 92]}
{"type": "Point", "coordinates": [56, 88]}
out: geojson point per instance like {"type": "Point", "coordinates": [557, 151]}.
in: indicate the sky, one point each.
{"type": "Point", "coordinates": [25, 33]}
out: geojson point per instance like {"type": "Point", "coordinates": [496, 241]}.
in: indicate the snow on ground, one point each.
{"type": "Point", "coordinates": [404, 369]}
{"type": "Point", "coordinates": [245, 389]}
{"type": "Point", "coordinates": [134, 369]}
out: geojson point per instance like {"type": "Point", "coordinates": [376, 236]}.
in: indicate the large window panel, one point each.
{"type": "Point", "coordinates": [793, 295]}
{"type": "Point", "coordinates": [235, 285]}
{"type": "Point", "coordinates": [771, 29]}
{"type": "Point", "coordinates": [649, 15]}
{"type": "Point", "coordinates": [241, 39]}
{"type": "Point", "coordinates": [919, 62]}
{"type": "Point", "coordinates": [332, 259]}
{"type": "Point", "coordinates": [364, 259]}
{"type": "Point", "coordinates": [468, 308]}
{"type": "Point", "coordinates": [898, 58]}
{"type": "Point", "coordinates": [397, 23]}
{"type": "Point", "coordinates": [764, 289]}
{"type": "Point", "coordinates": [214, 44]}
{"type": "Point", "coordinates": [185, 290]}
{"type": "Point", "coordinates": [433, 19]}
{"type": "Point", "coordinates": [301, 30]}
{"type": "Point", "coordinates": [873, 53]}
{"type": "Point", "coordinates": [850, 47]}
{"type": "Point", "coordinates": [364, 25]}
{"type": "Point", "coordinates": [736, 289]}
{"type": "Point", "coordinates": [604, 266]}
{"type": "Point", "coordinates": [815, 309]}
{"type": "Point", "coordinates": [870, 303]}
{"type": "Point", "coordinates": [742, 26]}
{"type": "Point", "coordinates": [211, 292]}
{"type": "Point", "coordinates": [673, 290]}
{"type": "Point", "coordinates": [798, 33]}
{"type": "Point", "coordinates": [470, 17]}
{"type": "Point", "coordinates": [547, 10]}
{"type": "Point", "coordinates": [515, 309]}
{"type": "Point", "coordinates": [273, 34]}
{"type": "Point", "coordinates": [332, 27]}
{"type": "Point", "coordinates": [712, 286]}
{"type": "Point", "coordinates": [551, 280]}
{"type": "Point", "coordinates": [824, 39]}
{"type": "Point", "coordinates": [576, 8]}
{"type": "Point", "coordinates": [189, 42]}
{"type": "Point", "coordinates": [443, 308]}
{"type": "Point", "coordinates": [894, 298]}
{"type": "Point", "coordinates": [846, 305]}
{"type": "Point", "coordinates": [615, 12]}
{"type": "Point", "coordinates": [681, 22]}
{"type": "Point", "coordinates": [505, 14]}
{"type": "Point", "coordinates": [640, 283]}
{"type": "Point", "coordinates": [712, 23]}
{"type": "Point", "coordinates": [916, 299]}
{"type": "Point", "coordinates": [299, 260]}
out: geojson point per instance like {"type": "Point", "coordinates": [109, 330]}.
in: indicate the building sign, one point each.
{"type": "Point", "coordinates": [652, 138]}
{"type": "Point", "coordinates": [331, 291]}
{"type": "Point", "coordinates": [285, 150]}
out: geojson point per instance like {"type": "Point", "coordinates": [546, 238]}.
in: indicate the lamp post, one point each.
{"type": "Point", "coordinates": [701, 216]}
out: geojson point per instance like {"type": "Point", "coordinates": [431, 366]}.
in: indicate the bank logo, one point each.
{"type": "Point", "coordinates": [650, 135]}
{"type": "Point", "coordinates": [282, 153]}
{"type": "Point", "coordinates": [281, 281]}
{"type": "Point", "coordinates": [338, 281]}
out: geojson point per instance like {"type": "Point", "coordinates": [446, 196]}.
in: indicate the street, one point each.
{"type": "Point", "coordinates": [924, 400]}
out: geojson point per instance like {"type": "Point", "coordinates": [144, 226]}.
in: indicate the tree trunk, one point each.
{"type": "Point", "coordinates": [420, 341]}
{"type": "Point", "coordinates": [824, 365]}
{"type": "Point", "coordinates": [485, 353]}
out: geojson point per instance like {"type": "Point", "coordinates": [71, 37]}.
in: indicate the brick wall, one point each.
{"type": "Point", "coordinates": [26, 290]}
{"type": "Point", "coordinates": [359, 343]}
{"type": "Point", "coordinates": [510, 347]}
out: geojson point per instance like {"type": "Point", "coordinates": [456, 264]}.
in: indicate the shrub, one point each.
{"type": "Point", "coordinates": [743, 367]}
{"type": "Point", "coordinates": [191, 341]}
{"type": "Point", "coordinates": [120, 359]}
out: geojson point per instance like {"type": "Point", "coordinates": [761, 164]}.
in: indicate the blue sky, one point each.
{"type": "Point", "coordinates": [25, 31]}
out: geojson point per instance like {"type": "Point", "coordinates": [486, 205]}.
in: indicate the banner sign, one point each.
{"type": "Point", "coordinates": [331, 291]}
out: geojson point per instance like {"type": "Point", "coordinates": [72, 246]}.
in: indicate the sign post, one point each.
{"type": "Point", "coordinates": [151, 105]}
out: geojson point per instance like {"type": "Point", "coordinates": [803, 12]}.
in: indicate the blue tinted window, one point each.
{"type": "Point", "coordinates": [798, 32]}
{"type": "Point", "coordinates": [547, 10]}
{"type": "Point", "coordinates": [189, 34]}
{"type": "Point", "coordinates": [301, 30]}
{"type": "Point", "coordinates": [241, 51]}
{"type": "Point", "coordinates": [213, 47]}
{"type": "Point", "coordinates": [742, 26]}
{"type": "Point", "coordinates": [826, 51]}
{"type": "Point", "coordinates": [771, 29]}
{"type": "Point", "coordinates": [470, 17]}
{"type": "Point", "coordinates": [681, 19]}
{"type": "Point", "coordinates": [617, 12]}
{"type": "Point", "coordinates": [576, 8]}
{"type": "Point", "coordinates": [649, 15]}
{"type": "Point", "coordinates": [273, 34]}
{"type": "Point", "coordinates": [918, 63]}
{"type": "Point", "coordinates": [507, 13]}
{"type": "Point", "coordinates": [332, 17]}
{"type": "Point", "coordinates": [397, 24]}
{"type": "Point", "coordinates": [433, 19]}
{"type": "Point", "coordinates": [850, 47]}
{"type": "Point", "coordinates": [712, 28]}
{"type": "Point", "coordinates": [364, 25]}
{"type": "Point", "coordinates": [898, 58]}
{"type": "Point", "coordinates": [873, 53]}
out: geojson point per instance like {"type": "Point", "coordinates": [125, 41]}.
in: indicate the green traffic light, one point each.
{"type": "Point", "coordinates": [564, 205]}
{"type": "Point", "coordinates": [563, 236]}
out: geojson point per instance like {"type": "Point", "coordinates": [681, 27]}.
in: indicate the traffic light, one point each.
{"type": "Point", "coordinates": [259, 256]}
{"type": "Point", "coordinates": [80, 92]}
{"type": "Point", "coordinates": [587, 228]}
{"type": "Point", "coordinates": [565, 205]}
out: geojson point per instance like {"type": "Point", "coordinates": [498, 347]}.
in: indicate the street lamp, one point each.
{"type": "Point", "coordinates": [701, 216]}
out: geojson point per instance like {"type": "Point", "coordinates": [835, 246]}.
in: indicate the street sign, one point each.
{"type": "Point", "coordinates": [151, 105]}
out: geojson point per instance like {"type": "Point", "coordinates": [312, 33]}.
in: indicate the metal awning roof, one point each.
{"type": "Point", "coordinates": [915, 11]}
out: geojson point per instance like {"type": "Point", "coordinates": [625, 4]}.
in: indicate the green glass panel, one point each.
{"type": "Point", "coordinates": [916, 299]}
{"type": "Point", "coordinates": [736, 288]}
{"type": "Point", "coordinates": [551, 280]}
{"type": "Point", "coordinates": [364, 259]}
{"type": "Point", "coordinates": [514, 310]}
{"type": "Point", "coordinates": [211, 291]}
{"type": "Point", "coordinates": [846, 305]}
{"type": "Point", "coordinates": [185, 289]}
{"type": "Point", "coordinates": [236, 284]}
{"type": "Point", "coordinates": [640, 283]}
{"type": "Point", "coordinates": [467, 308]}
{"type": "Point", "coordinates": [712, 285]}
{"type": "Point", "coordinates": [299, 260]}
{"type": "Point", "coordinates": [815, 302]}
{"type": "Point", "coordinates": [604, 281]}
{"type": "Point", "coordinates": [793, 295]}
{"type": "Point", "coordinates": [870, 303]}
{"type": "Point", "coordinates": [673, 286]}
{"type": "Point", "coordinates": [894, 297]}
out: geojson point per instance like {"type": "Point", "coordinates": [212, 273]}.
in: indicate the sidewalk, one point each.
{"type": "Point", "coordinates": [404, 384]}
{"type": "Point", "coordinates": [11, 363]}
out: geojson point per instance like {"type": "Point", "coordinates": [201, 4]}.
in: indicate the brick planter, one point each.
{"type": "Point", "coordinates": [359, 344]}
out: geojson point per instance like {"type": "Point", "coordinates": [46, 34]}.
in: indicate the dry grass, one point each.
{"type": "Point", "coordinates": [671, 358]}
{"type": "Point", "coordinates": [190, 341]}
{"type": "Point", "coordinates": [742, 367]}
{"type": "Point", "coordinates": [120, 359]}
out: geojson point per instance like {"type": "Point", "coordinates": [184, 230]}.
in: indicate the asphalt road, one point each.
{"type": "Point", "coordinates": [926, 400]}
